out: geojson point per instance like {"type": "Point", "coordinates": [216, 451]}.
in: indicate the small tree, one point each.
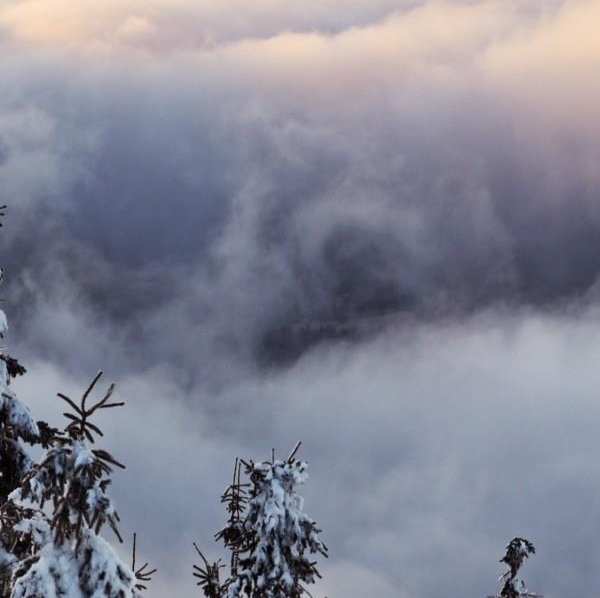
{"type": "Point", "coordinates": [268, 534]}
{"type": "Point", "coordinates": [517, 550]}
{"type": "Point", "coordinates": [58, 511]}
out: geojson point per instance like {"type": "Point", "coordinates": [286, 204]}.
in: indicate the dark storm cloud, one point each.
{"type": "Point", "coordinates": [215, 195]}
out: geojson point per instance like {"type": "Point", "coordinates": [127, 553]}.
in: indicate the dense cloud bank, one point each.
{"type": "Point", "coordinates": [182, 185]}
{"type": "Point", "coordinates": [428, 448]}
{"type": "Point", "coordinates": [438, 160]}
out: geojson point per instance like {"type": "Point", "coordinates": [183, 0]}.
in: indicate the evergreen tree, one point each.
{"type": "Point", "coordinates": [57, 514]}
{"type": "Point", "coordinates": [16, 423]}
{"type": "Point", "coordinates": [517, 550]}
{"type": "Point", "coordinates": [268, 534]}
{"type": "Point", "coordinates": [17, 427]}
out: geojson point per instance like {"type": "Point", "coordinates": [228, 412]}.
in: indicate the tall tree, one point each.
{"type": "Point", "coordinates": [17, 425]}
{"type": "Point", "coordinates": [269, 537]}
{"type": "Point", "coordinates": [17, 428]}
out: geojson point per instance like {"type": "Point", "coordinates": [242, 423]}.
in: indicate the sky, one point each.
{"type": "Point", "coordinates": [186, 179]}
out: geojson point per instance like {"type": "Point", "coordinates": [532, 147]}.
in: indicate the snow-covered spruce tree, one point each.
{"type": "Point", "coordinates": [17, 427]}
{"type": "Point", "coordinates": [517, 550]}
{"type": "Point", "coordinates": [58, 512]}
{"type": "Point", "coordinates": [268, 534]}
{"type": "Point", "coordinates": [16, 423]}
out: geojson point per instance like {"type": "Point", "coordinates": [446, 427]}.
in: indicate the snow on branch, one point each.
{"type": "Point", "coordinates": [269, 536]}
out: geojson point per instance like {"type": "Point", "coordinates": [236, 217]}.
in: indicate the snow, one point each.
{"type": "Point", "coordinates": [82, 456]}
{"type": "Point", "coordinates": [92, 571]}
{"type": "Point", "coordinates": [18, 415]}
{"type": "Point", "coordinates": [37, 526]}
{"type": "Point", "coordinates": [3, 322]}
{"type": "Point", "coordinates": [103, 574]}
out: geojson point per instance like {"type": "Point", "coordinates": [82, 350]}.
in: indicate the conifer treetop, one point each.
{"type": "Point", "coordinates": [517, 550]}
{"type": "Point", "coordinates": [73, 476]}
{"type": "Point", "coordinates": [61, 507]}
{"type": "Point", "coordinates": [270, 538]}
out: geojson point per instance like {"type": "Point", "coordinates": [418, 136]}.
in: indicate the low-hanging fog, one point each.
{"type": "Point", "coordinates": [187, 179]}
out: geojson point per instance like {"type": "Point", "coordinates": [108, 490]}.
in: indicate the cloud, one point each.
{"type": "Point", "coordinates": [100, 26]}
{"type": "Point", "coordinates": [250, 186]}
{"type": "Point", "coordinates": [181, 194]}
{"type": "Point", "coordinates": [429, 447]}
